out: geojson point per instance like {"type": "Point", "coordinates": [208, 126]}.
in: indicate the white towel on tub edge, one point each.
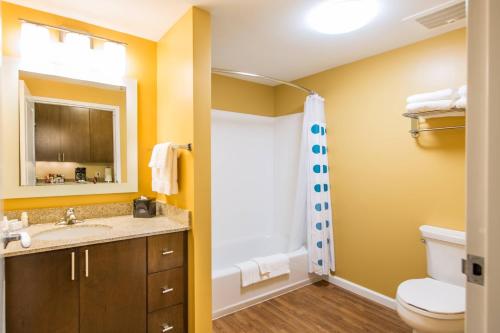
{"type": "Point", "coordinates": [249, 273]}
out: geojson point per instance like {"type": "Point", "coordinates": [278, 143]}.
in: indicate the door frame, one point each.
{"type": "Point", "coordinates": [26, 146]}
{"type": "Point", "coordinates": [483, 162]}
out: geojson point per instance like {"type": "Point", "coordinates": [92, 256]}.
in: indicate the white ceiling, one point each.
{"type": "Point", "coordinates": [268, 37]}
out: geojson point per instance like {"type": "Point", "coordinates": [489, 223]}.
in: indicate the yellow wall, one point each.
{"type": "Point", "coordinates": [141, 65]}
{"type": "Point", "coordinates": [385, 183]}
{"type": "Point", "coordinates": [183, 101]}
{"type": "Point", "coordinates": [230, 94]}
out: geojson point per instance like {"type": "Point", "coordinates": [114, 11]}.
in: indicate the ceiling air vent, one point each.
{"type": "Point", "coordinates": [440, 15]}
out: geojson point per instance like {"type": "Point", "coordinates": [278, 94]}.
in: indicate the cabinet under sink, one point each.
{"type": "Point", "coordinates": [134, 285]}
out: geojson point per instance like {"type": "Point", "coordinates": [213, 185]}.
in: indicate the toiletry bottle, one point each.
{"type": "Point", "coordinates": [5, 225]}
{"type": "Point", "coordinates": [24, 219]}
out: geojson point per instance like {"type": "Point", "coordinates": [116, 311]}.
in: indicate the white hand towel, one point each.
{"type": "Point", "coordinates": [443, 94]}
{"type": "Point", "coordinates": [163, 166]}
{"type": "Point", "coordinates": [274, 265]}
{"type": "Point", "coordinates": [462, 91]}
{"type": "Point", "coordinates": [429, 106]}
{"type": "Point", "coordinates": [159, 156]}
{"type": "Point", "coordinates": [461, 103]}
{"type": "Point", "coordinates": [249, 273]}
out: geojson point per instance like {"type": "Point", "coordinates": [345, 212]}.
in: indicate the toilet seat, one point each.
{"type": "Point", "coordinates": [432, 298]}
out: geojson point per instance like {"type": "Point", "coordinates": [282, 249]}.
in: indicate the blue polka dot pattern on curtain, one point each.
{"type": "Point", "coordinates": [319, 216]}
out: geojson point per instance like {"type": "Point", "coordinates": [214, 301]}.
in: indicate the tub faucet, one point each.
{"type": "Point", "coordinates": [69, 218]}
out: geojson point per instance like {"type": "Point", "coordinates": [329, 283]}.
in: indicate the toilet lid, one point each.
{"type": "Point", "coordinates": [433, 296]}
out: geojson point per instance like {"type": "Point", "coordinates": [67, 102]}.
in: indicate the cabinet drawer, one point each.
{"type": "Point", "coordinates": [165, 289]}
{"type": "Point", "coordinates": [165, 252]}
{"type": "Point", "coordinates": [169, 320]}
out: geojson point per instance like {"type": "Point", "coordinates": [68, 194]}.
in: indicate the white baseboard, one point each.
{"type": "Point", "coordinates": [362, 291]}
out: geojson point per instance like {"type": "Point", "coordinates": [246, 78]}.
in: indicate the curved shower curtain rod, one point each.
{"type": "Point", "coordinates": [297, 86]}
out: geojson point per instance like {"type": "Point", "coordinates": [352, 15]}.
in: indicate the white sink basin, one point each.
{"type": "Point", "coordinates": [72, 232]}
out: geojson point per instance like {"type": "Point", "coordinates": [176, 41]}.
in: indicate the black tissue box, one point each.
{"type": "Point", "coordinates": [144, 207]}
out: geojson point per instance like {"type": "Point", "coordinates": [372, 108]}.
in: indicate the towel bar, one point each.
{"type": "Point", "coordinates": [416, 116]}
{"type": "Point", "coordinates": [186, 146]}
{"type": "Point", "coordinates": [415, 132]}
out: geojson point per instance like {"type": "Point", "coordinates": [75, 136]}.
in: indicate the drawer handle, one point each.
{"type": "Point", "coordinates": [86, 263]}
{"type": "Point", "coordinates": [72, 266]}
{"type": "Point", "coordinates": [166, 290]}
{"type": "Point", "coordinates": [166, 328]}
{"type": "Point", "coordinates": [167, 252]}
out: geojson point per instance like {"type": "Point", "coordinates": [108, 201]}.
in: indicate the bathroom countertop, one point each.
{"type": "Point", "coordinates": [122, 227]}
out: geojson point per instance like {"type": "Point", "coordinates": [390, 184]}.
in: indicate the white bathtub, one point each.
{"type": "Point", "coordinates": [227, 294]}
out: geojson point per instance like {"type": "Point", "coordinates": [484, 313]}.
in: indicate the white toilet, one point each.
{"type": "Point", "coordinates": [436, 304]}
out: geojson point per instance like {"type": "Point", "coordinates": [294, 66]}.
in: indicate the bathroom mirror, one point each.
{"type": "Point", "coordinates": [66, 136]}
{"type": "Point", "coordinates": [69, 132]}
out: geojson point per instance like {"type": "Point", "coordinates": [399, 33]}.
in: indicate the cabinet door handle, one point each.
{"type": "Point", "coordinates": [166, 252]}
{"type": "Point", "coordinates": [166, 290]}
{"type": "Point", "coordinates": [166, 328]}
{"type": "Point", "coordinates": [72, 266]}
{"type": "Point", "coordinates": [86, 263]}
{"type": "Point", "coordinates": [63, 157]}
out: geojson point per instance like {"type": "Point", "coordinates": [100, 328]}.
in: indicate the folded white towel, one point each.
{"type": "Point", "coordinates": [250, 273]}
{"type": "Point", "coordinates": [462, 91]}
{"type": "Point", "coordinates": [443, 94]}
{"type": "Point", "coordinates": [274, 265]}
{"type": "Point", "coordinates": [461, 103]}
{"type": "Point", "coordinates": [445, 104]}
{"type": "Point", "coordinates": [163, 166]}
{"type": "Point", "coordinates": [263, 268]}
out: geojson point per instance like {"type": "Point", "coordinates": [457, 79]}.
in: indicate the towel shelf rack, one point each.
{"type": "Point", "coordinates": [427, 114]}
{"type": "Point", "coordinates": [417, 116]}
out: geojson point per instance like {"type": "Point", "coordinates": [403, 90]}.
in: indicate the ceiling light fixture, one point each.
{"type": "Point", "coordinates": [342, 16]}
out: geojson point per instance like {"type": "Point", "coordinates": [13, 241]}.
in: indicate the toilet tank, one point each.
{"type": "Point", "coordinates": [445, 250]}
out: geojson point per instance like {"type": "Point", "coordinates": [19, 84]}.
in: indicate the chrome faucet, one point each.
{"type": "Point", "coordinates": [23, 236]}
{"type": "Point", "coordinates": [9, 237]}
{"type": "Point", "coordinates": [69, 218]}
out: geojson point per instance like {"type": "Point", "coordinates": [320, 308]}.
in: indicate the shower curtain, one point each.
{"type": "Point", "coordinates": [312, 222]}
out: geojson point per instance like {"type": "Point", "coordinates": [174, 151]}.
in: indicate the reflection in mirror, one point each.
{"type": "Point", "coordinates": [71, 131]}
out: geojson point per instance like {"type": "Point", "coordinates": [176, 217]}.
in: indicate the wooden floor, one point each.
{"type": "Point", "coordinates": [318, 308]}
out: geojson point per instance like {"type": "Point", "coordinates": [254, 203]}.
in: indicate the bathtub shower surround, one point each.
{"type": "Point", "coordinates": [255, 163]}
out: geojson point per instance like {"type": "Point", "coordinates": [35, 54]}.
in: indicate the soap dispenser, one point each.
{"type": "Point", "coordinates": [5, 225]}
{"type": "Point", "coordinates": [24, 219]}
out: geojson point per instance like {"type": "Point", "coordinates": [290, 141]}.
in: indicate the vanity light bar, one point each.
{"type": "Point", "coordinates": [73, 31]}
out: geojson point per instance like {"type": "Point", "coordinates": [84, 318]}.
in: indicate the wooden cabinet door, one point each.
{"type": "Point", "coordinates": [42, 292]}
{"type": "Point", "coordinates": [101, 136]}
{"type": "Point", "coordinates": [113, 287]}
{"type": "Point", "coordinates": [75, 134]}
{"type": "Point", "coordinates": [47, 132]}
